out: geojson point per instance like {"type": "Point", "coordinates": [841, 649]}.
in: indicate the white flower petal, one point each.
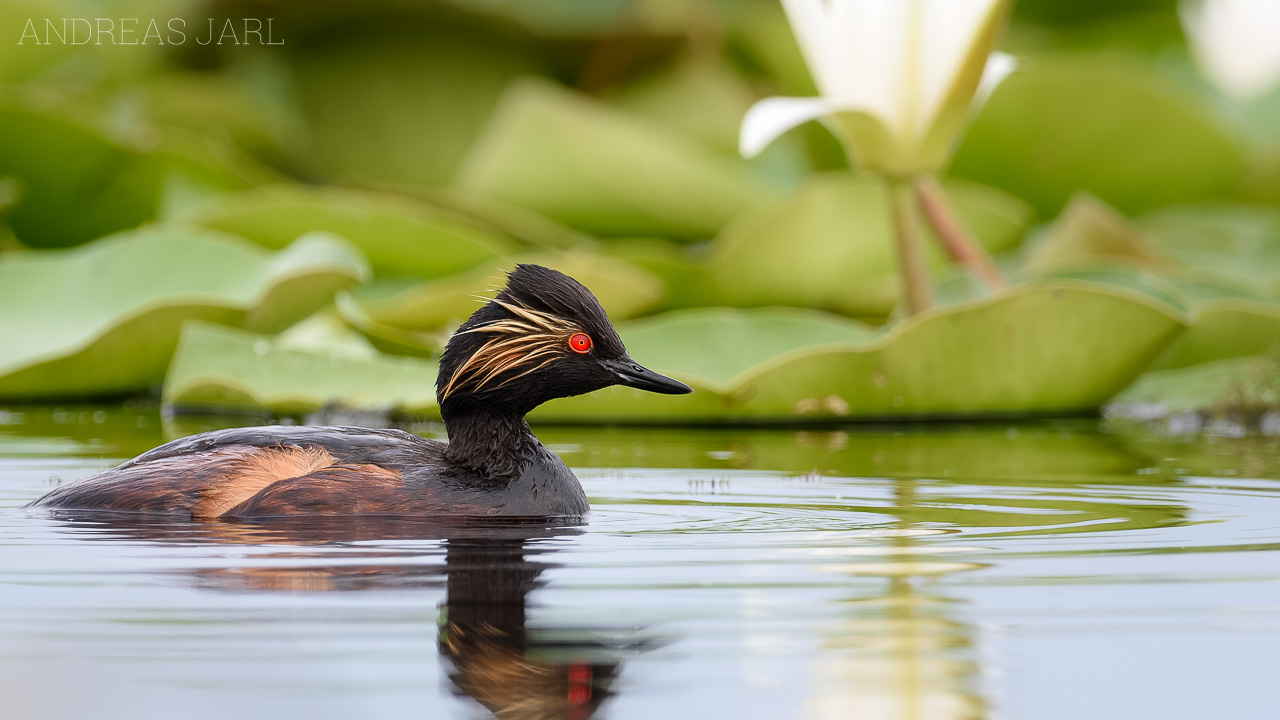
{"type": "Point", "coordinates": [948, 31]}
{"type": "Point", "coordinates": [872, 46]}
{"type": "Point", "coordinates": [897, 77]}
{"type": "Point", "coordinates": [999, 66]}
{"type": "Point", "coordinates": [771, 117]}
{"type": "Point", "coordinates": [1235, 43]}
{"type": "Point", "coordinates": [812, 27]}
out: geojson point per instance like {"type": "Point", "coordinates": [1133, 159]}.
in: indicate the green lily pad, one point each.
{"type": "Point", "coordinates": [1089, 232]}
{"type": "Point", "coordinates": [722, 97]}
{"type": "Point", "coordinates": [399, 236]}
{"type": "Point", "coordinates": [1226, 328]}
{"type": "Point", "coordinates": [1205, 253]}
{"type": "Point", "coordinates": [219, 368]}
{"type": "Point", "coordinates": [502, 218]}
{"type": "Point", "coordinates": [1115, 129]}
{"type": "Point", "coordinates": [706, 82]}
{"type": "Point", "coordinates": [1210, 262]}
{"type": "Point", "coordinates": [235, 112]}
{"type": "Point", "coordinates": [831, 245]}
{"type": "Point", "coordinates": [683, 269]}
{"type": "Point", "coordinates": [1247, 383]}
{"type": "Point", "coordinates": [1238, 245]}
{"type": "Point", "coordinates": [75, 184]}
{"type": "Point", "coordinates": [1138, 281]}
{"type": "Point", "coordinates": [1059, 346]}
{"type": "Point", "coordinates": [1235, 230]}
{"type": "Point", "coordinates": [327, 333]}
{"type": "Point", "coordinates": [603, 171]}
{"type": "Point", "coordinates": [103, 319]}
{"type": "Point", "coordinates": [387, 338]}
{"type": "Point", "coordinates": [743, 339]}
{"type": "Point", "coordinates": [401, 102]}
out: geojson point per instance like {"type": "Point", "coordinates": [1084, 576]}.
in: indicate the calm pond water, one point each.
{"type": "Point", "coordinates": [1049, 570]}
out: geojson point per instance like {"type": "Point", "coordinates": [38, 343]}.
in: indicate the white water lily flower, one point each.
{"type": "Point", "coordinates": [898, 78]}
{"type": "Point", "coordinates": [1236, 43]}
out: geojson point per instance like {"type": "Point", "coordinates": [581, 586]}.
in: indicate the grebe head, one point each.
{"type": "Point", "coordinates": [543, 337]}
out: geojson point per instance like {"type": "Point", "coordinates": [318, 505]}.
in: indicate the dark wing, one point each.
{"type": "Point", "coordinates": [345, 444]}
{"type": "Point", "coordinates": [210, 475]}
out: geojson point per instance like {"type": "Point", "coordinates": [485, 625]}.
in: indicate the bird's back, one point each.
{"type": "Point", "coordinates": [272, 471]}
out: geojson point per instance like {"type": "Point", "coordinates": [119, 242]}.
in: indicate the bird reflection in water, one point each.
{"type": "Point", "coordinates": [494, 657]}
{"type": "Point", "coordinates": [487, 641]}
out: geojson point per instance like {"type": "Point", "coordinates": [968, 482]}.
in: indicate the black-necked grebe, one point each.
{"type": "Point", "coordinates": [544, 336]}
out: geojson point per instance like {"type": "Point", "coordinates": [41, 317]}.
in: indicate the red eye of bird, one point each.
{"type": "Point", "coordinates": [580, 343]}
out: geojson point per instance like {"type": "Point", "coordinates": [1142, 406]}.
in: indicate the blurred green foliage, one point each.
{"type": "Point", "coordinates": [1062, 346]}
{"type": "Point", "coordinates": [839, 246]}
{"type": "Point", "coordinates": [443, 141]}
{"type": "Point", "coordinates": [109, 313]}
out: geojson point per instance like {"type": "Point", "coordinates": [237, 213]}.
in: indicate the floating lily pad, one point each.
{"type": "Point", "coordinates": [722, 97]}
{"type": "Point", "coordinates": [1213, 263]}
{"type": "Point", "coordinates": [326, 333]}
{"type": "Point", "coordinates": [1206, 253]}
{"type": "Point", "coordinates": [399, 236]}
{"type": "Point", "coordinates": [1061, 346]}
{"type": "Point", "coordinates": [219, 368]}
{"type": "Point", "coordinates": [600, 170]}
{"type": "Point", "coordinates": [1226, 328]}
{"type": "Point", "coordinates": [103, 319]}
{"type": "Point", "coordinates": [1137, 281]}
{"type": "Point", "coordinates": [1115, 129]}
{"type": "Point", "coordinates": [1235, 230]}
{"type": "Point", "coordinates": [1089, 232]}
{"type": "Point", "coordinates": [75, 184]}
{"type": "Point", "coordinates": [503, 218]}
{"type": "Point", "coordinates": [401, 102]}
{"type": "Point", "coordinates": [1239, 245]}
{"type": "Point", "coordinates": [708, 83]}
{"type": "Point", "coordinates": [831, 245]}
{"type": "Point", "coordinates": [743, 339]}
{"type": "Point", "coordinates": [1230, 385]}
{"type": "Point", "coordinates": [683, 269]}
{"type": "Point", "coordinates": [229, 111]}
{"type": "Point", "coordinates": [387, 338]}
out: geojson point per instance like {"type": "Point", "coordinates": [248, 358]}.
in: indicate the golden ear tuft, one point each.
{"type": "Point", "coordinates": [526, 343]}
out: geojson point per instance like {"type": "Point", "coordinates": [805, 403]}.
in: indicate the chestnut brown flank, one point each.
{"type": "Point", "coordinates": [255, 472]}
{"type": "Point", "coordinates": [356, 489]}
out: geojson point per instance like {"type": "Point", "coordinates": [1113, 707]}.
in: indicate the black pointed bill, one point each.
{"type": "Point", "coordinates": [633, 374]}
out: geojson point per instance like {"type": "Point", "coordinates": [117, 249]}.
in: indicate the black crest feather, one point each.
{"type": "Point", "coordinates": [522, 331]}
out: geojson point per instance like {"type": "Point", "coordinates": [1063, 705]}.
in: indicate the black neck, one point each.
{"type": "Point", "coordinates": [495, 446]}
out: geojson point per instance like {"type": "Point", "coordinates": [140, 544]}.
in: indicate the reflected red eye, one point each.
{"type": "Point", "coordinates": [580, 343]}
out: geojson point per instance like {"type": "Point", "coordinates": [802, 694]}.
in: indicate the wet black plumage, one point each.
{"type": "Point", "coordinates": [521, 349]}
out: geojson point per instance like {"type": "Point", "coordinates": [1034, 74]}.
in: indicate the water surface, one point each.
{"type": "Point", "coordinates": [1049, 570]}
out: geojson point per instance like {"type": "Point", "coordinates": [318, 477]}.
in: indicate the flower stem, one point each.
{"type": "Point", "coordinates": [914, 273]}
{"type": "Point", "coordinates": [955, 236]}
